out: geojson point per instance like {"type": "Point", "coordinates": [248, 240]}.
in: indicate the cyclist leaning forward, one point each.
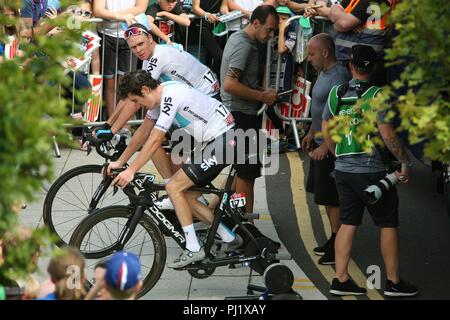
{"type": "Point", "coordinates": [204, 118]}
{"type": "Point", "coordinates": [164, 63]}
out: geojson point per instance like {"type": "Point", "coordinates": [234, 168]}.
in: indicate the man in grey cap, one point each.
{"type": "Point", "coordinates": [355, 170]}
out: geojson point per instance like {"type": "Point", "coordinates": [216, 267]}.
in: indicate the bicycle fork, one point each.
{"type": "Point", "coordinates": [101, 189]}
{"type": "Point", "coordinates": [130, 227]}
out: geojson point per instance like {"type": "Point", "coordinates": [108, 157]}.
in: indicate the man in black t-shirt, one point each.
{"type": "Point", "coordinates": [171, 28]}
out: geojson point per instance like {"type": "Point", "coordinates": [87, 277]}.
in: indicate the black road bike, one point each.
{"type": "Point", "coordinates": [141, 228]}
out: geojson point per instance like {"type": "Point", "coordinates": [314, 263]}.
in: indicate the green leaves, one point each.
{"type": "Point", "coordinates": [421, 94]}
{"type": "Point", "coordinates": [32, 111]}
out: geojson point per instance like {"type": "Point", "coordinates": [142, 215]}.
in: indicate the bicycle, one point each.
{"type": "Point", "coordinates": [128, 228]}
{"type": "Point", "coordinates": [69, 200]}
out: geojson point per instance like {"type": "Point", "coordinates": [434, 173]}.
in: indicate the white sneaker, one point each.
{"type": "Point", "coordinates": [187, 257]}
{"type": "Point", "coordinates": [164, 204]}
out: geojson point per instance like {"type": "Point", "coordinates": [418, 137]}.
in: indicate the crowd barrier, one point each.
{"type": "Point", "coordinates": [297, 109]}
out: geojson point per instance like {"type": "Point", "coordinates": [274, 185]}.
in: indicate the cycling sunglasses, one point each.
{"type": "Point", "coordinates": [134, 31]}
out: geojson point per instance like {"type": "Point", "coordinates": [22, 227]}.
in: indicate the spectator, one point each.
{"type": "Point", "coordinates": [323, 11]}
{"type": "Point", "coordinates": [246, 7]}
{"type": "Point", "coordinates": [170, 28]}
{"type": "Point", "coordinates": [295, 6]}
{"type": "Point", "coordinates": [21, 239]}
{"type": "Point", "coordinates": [331, 73]}
{"type": "Point", "coordinates": [284, 47]}
{"type": "Point", "coordinates": [98, 290]}
{"type": "Point", "coordinates": [66, 270]}
{"type": "Point", "coordinates": [354, 24]}
{"type": "Point", "coordinates": [12, 31]}
{"type": "Point", "coordinates": [355, 170]}
{"type": "Point", "coordinates": [240, 75]}
{"type": "Point", "coordinates": [31, 288]}
{"type": "Point", "coordinates": [33, 12]}
{"type": "Point", "coordinates": [116, 12]}
{"type": "Point", "coordinates": [87, 8]}
{"type": "Point", "coordinates": [207, 10]}
{"type": "Point", "coordinates": [123, 276]}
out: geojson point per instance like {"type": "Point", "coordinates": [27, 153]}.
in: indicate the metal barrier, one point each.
{"type": "Point", "coordinates": [293, 120]}
{"type": "Point", "coordinates": [97, 21]}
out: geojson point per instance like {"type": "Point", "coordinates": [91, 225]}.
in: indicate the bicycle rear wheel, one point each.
{"type": "Point", "coordinates": [97, 235]}
{"type": "Point", "coordinates": [70, 199]}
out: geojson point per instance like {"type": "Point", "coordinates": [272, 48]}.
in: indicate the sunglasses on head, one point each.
{"type": "Point", "coordinates": [135, 31]}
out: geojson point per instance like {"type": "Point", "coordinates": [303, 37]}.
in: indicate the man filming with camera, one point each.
{"type": "Point", "coordinates": [356, 170]}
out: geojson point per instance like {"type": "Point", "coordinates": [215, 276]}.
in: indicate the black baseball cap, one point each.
{"type": "Point", "coordinates": [363, 57]}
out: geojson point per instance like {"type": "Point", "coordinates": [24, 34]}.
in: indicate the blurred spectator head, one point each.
{"type": "Point", "coordinates": [363, 59]}
{"type": "Point", "coordinates": [284, 13]}
{"type": "Point", "coordinates": [123, 276]}
{"type": "Point", "coordinates": [167, 5]}
{"type": "Point", "coordinates": [32, 287]}
{"type": "Point", "coordinates": [321, 50]}
{"type": "Point", "coordinates": [19, 249]}
{"type": "Point", "coordinates": [66, 270]}
{"type": "Point", "coordinates": [264, 21]}
{"type": "Point", "coordinates": [10, 12]}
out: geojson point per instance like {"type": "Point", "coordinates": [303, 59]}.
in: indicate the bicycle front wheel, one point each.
{"type": "Point", "coordinates": [73, 196]}
{"type": "Point", "coordinates": [98, 234]}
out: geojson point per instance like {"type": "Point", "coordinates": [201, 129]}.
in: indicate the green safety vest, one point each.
{"type": "Point", "coordinates": [348, 145]}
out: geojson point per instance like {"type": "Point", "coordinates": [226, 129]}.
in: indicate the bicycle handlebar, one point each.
{"type": "Point", "coordinates": [102, 146]}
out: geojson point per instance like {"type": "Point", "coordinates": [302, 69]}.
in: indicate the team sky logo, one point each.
{"type": "Point", "coordinates": [145, 181]}
{"type": "Point", "coordinates": [167, 105]}
{"type": "Point", "coordinates": [152, 64]}
{"type": "Point", "coordinates": [208, 163]}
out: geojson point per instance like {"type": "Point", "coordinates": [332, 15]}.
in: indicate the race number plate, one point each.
{"type": "Point", "coordinates": [237, 200]}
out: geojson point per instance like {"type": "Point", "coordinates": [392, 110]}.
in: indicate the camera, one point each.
{"type": "Point", "coordinates": [375, 191]}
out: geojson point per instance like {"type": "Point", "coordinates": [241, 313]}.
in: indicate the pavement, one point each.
{"type": "Point", "coordinates": [180, 285]}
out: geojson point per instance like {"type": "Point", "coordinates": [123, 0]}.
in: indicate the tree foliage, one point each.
{"type": "Point", "coordinates": [420, 92]}
{"type": "Point", "coordinates": [31, 113]}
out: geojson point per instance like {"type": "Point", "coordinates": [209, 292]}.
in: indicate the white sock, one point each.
{"type": "Point", "coordinates": [226, 234]}
{"type": "Point", "coordinates": [191, 238]}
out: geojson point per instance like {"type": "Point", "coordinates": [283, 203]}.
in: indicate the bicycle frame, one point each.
{"type": "Point", "coordinates": [172, 228]}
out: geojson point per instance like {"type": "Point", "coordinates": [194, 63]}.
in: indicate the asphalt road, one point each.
{"type": "Point", "coordinates": [424, 231]}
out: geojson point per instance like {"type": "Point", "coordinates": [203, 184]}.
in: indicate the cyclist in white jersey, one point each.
{"type": "Point", "coordinates": [164, 63]}
{"type": "Point", "coordinates": [197, 114]}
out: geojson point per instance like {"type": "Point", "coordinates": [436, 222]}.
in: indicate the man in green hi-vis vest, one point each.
{"type": "Point", "coordinates": [355, 170]}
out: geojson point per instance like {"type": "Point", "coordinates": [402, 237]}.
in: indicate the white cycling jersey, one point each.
{"type": "Point", "coordinates": [201, 116]}
{"type": "Point", "coordinates": [169, 63]}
